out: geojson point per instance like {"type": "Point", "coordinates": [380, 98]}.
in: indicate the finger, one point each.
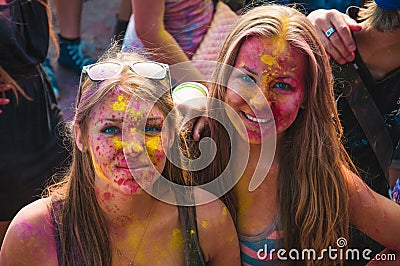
{"type": "Point", "coordinates": [343, 40]}
{"type": "Point", "coordinates": [321, 21]}
{"type": "Point", "coordinates": [198, 128]}
{"type": "Point", "coordinates": [330, 48]}
{"type": "Point", "coordinates": [7, 87]}
{"type": "Point", "coordinates": [4, 101]}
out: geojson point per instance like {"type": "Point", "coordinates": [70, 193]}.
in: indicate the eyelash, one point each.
{"type": "Point", "coordinates": [152, 129]}
{"type": "Point", "coordinates": [247, 78]}
{"type": "Point", "coordinates": [106, 130]}
{"type": "Point", "coordinates": [287, 86]}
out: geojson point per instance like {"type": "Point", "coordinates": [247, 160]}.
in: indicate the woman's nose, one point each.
{"type": "Point", "coordinates": [259, 99]}
{"type": "Point", "coordinates": [134, 143]}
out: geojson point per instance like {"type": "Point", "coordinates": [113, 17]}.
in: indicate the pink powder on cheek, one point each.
{"type": "Point", "coordinates": [119, 181]}
{"type": "Point", "coordinates": [107, 195]}
{"type": "Point", "coordinates": [157, 156]}
{"type": "Point", "coordinates": [284, 113]}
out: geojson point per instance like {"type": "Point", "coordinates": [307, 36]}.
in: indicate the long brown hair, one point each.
{"type": "Point", "coordinates": [82, 224]}
{"type": "Point", "coordinates": [312, 191]}
{"type": "Point", "coordinates": [15, 88]}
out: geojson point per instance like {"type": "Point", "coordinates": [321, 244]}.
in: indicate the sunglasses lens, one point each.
{"type": "Point", "coordinates": [103, 71]}
{"type": "Point", "coordinates": [150, 70]}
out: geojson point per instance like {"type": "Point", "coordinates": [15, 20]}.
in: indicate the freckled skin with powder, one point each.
{"type": "Point", "coordinates": [278, 71]}
{"type": "Point", "coordinates": [138, 154]}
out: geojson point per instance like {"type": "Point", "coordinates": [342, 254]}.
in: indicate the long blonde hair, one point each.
{"type": "Point", "coordinates": [312, 190]}
{"type": "Point", "coordinates": [82, 224]}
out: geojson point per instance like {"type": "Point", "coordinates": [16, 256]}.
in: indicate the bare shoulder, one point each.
{"type": "Point", "coordinates": [365, 203]}
{"type": "Point", "coordinates": [217, 233]}
{"type": "Point", "coordinates": [214, 210]}
{"type": "Point", "coordinates": [30, 237]}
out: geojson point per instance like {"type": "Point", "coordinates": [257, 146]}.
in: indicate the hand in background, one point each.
{"type": "Point", "coordinates": [3, 99]}
{"type": "Point", "coordinates": [340, 44]}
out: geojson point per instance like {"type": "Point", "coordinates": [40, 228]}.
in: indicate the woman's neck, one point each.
{"type": "Point", "coordinates": [379, 50]}
{"type": "Point", "coordinates": [256, 209]}
{"type": "Point", "coordinates": [122, 210]}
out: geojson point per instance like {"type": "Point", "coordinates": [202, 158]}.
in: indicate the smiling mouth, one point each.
{"type": "Point", "coordinates": [133, 168]}
{"type": "Point", "coordinates": [257, 120]}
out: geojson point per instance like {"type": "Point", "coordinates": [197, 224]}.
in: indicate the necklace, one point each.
{"type": "Point", "coordinates": [122, 255]}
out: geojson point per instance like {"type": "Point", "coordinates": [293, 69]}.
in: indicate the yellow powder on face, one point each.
{"type": "Point", "coordinates": [97, 168]}
{"type": "Point", "coordinates": [133, 146]}
{"type": "Point", "coordinates": [153, 144]}
{"type": "Point", "coordinates": [268, 60]}
{"type": "Point", "coordinates": [120, 104]}
{"type": "Point", "coordinates": [279, 44]}
{"type": "Point", "coordinates": [176, 239]}
{"type": "Point", "coordinates": [117, 142]}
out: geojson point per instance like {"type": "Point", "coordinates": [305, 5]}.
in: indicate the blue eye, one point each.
{"type": "Point", "coordinates": [282, 86]}
{"type": "Point", "coordinates": [111, 130]}
{"type": "Point", "coordinates": [247, 78]}
{"type": "Point", "coordinates": [152, 129]}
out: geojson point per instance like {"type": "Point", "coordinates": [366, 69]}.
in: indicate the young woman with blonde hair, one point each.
{"type": "Point", "coordinates": [101, 213]}
{"type": "Point", "coordinates": [281, 87]}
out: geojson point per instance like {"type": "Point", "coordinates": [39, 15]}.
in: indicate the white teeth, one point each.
{"type": "Point", "coordinates": [258, 120]}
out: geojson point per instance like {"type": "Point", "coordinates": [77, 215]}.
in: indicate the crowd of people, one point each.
{"type": "Point", "coordinates": [303, 119]}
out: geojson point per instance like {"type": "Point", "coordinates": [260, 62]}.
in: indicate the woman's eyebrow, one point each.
{"type": "Point", "coordinates": [155, 118]}
{"type": "Point", "coordinates": [113, 119]}
{"type": "Point", "coordinates": [249, 70]}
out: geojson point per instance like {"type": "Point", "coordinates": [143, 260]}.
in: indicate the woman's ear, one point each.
{"type": "Point", "coordinates": [78, 137]}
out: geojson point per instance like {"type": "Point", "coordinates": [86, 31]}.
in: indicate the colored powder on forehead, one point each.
{"type": "Point", "coordinates": [176, 239]}
{"type": "Point", "coordinates": [135, 115]}
{"type": "Point", "coordinates": [120, 104]}
{"type": "Point", "coordinates": [268, 60]}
